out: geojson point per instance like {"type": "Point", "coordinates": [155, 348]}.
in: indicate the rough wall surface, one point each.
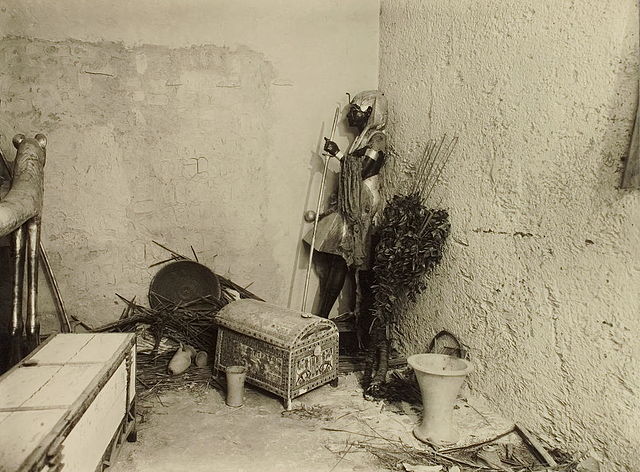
{"type": "Point", "coordinates": [542, 272]}
{"type": "Point", "coordinates": [190, 123]}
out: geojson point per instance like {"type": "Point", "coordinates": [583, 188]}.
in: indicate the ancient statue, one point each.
{"type": "Point", "coordinates": [343, 239]}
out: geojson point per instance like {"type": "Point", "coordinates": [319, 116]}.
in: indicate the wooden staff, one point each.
{"type": "Point", "coordinates": [317, 215]}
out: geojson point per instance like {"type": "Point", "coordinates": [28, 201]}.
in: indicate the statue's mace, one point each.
{"type": "Point", "coordinates": [317, 215]}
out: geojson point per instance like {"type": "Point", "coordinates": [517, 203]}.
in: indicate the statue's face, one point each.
{"type": "Point", "coordinates": [358, 117]}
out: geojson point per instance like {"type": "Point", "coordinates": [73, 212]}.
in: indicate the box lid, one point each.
{"type": "Point", "coordinates": [44, 395]}
{"type": "Point", "coordinates": [279, 326]}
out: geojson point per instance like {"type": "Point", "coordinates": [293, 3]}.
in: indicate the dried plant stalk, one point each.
{"type": "Point", "coordinates": [411, 239]}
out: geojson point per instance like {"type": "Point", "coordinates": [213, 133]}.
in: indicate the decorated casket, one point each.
{"type": "Point", "coordinates": [286, 352]}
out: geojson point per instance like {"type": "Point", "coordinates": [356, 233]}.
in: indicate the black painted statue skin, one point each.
{"type": "Point", "coordinates": [341, 244]}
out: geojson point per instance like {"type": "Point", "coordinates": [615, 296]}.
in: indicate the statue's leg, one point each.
{"type": "Point", "coordinates": [377, 363]}
{"type": "Point", "coordinates": [32, 325]}
{"type": "Point", "coordinates": [16, 326]}
{"type": "Point", "coordinates": [332, 284]}
{"type": "Point", "coordinates": [364, 315]}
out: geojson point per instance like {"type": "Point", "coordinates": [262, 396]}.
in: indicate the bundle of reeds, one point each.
{"type": "Point", "coordinates": [152, 376]}
{"type": "Point", "coordinates": [190, 323]}
{"type": "Point", "coordinates": [410, 242]}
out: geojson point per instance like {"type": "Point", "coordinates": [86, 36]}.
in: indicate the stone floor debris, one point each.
{"type": "Point", "coordinates": [328, 429]}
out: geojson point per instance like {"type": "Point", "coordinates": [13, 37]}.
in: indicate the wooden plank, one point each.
{"type": "Point", "coordinates": [62, 348]}
{"type": "Point", "coordinates": [102, 347]}
{"type": "Point", "coordinates": [537, 446]}
{"type": "Point", "coordinates": [29, 356]}
{"type": "Point", "coordinates": [86, 443]}
{"type": "Point", "coordinates": [23, 383]}
{"type": "Point", "coordinates": [23, 430]}
{"type": "Point", "coordinates": [132, 375]}
{"type": "Point", "coordinates": [65, 387]}
{"type": "Point", "coordinates": [31, 408]}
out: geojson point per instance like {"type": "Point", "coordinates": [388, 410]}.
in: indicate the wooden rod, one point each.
{"type": "Point", "coordinates": [317, 216]}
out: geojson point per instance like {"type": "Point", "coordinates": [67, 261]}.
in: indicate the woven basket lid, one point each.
{"type": "Point", "coordinates": [182, 282]}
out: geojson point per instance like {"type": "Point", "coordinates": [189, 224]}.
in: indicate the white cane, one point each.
{"type": "Point", "coordinates": [317, 216]}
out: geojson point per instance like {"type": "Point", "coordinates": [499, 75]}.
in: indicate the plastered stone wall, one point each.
{"type": "Point", "coordinates": [541, 277]}
{"type": "Point", "coordinates": [192, 123]}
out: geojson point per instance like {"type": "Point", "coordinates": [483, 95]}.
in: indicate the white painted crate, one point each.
{"type": "Point", "coordinates": [68, 405]}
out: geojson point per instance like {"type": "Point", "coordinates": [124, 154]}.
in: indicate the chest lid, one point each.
{"type": "Point", "coordinates": [282, 327]}
{"type": "Point", "coordinates": [43, 396]}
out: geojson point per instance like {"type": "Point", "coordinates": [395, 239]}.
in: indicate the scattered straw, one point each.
{"type": "Point", "coordinates": [191, 323]}
{"type": "Point", "coordinates": [392, 453]}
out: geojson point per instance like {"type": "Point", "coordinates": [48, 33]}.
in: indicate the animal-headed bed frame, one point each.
{"type": "Point", "coordinates": [20, 211]}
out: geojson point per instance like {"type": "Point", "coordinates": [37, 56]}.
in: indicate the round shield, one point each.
{"type": "Point", "coordinates": [182, 282]}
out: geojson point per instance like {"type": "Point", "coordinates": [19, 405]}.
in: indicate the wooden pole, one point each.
{"type": "Point", "coordinates": [317, 216]}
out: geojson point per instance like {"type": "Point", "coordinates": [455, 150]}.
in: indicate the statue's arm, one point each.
{"type": "Point", "coordinates": [374, 154]}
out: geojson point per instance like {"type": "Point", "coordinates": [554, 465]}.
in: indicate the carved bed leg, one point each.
{"type": "Point", "coordinates": [17, 325]}
{"type": "Point", "coordinates": [32, 326]}
{"type": "Point", "coordinates": [132, 423]}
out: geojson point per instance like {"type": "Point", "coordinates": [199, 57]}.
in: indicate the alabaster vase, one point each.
{"type": "Point", "coordinates": [236, 375]}
{"type": "Point", "coordinates": [440, 377]}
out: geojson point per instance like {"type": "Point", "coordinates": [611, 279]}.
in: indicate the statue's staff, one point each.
{"type": "Point", "coordinates": [317, 214]}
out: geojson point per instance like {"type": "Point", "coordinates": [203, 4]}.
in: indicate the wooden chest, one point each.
{"type": "Point", "coordinates": [285, 351]}
{"type": "Point", "coordinates": [69, 404]}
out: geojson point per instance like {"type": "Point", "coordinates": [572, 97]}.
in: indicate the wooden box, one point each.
{"type": "Point", "coordinates": [69, 404]}
{"type": "Point", "coordinates": [285, 351]}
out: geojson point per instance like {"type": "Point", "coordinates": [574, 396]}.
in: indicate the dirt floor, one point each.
{"type": "Point", "coordinates": [329, 429]}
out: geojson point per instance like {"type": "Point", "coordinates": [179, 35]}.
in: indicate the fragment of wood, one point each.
{"type": "Point", "coordinates": [121, 322]}
{"type": "Point", "coordinates": [533, 442]}
{"type": "Point", "coordinates": [480, 443]}
{"type": "Point", "coordinates": [241, 290]}
{"type": "Point", "coordinates": [462, 461]}
{"type": "Point", "coordinates": [631, 177]}
{"type": "Point", "coordinates": [509, 450]}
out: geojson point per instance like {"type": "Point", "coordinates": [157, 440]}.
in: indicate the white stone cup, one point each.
{"type": "Point", "coordinates": [236, 375]}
